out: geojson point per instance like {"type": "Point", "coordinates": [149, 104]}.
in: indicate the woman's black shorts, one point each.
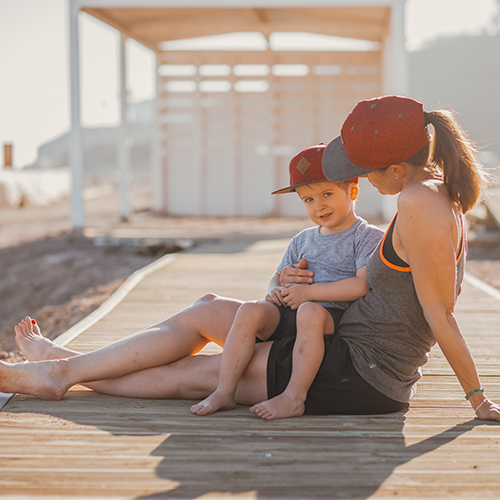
{"type": "Point", "coordinates": [337, 389]}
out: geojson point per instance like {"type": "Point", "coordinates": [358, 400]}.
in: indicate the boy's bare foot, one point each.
{"type": "Point", "coordinates": [282, 406]}
{"type": "Point", "coordinates": [34, 345]}
{"type": "Point", "coordinates": [215, 402]}
{"type": "Point", "coordinates": [42, 379]}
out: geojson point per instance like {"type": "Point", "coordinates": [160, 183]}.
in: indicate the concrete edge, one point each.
{"type": "Point", "coordinates": [123, 290]}
{"type": "Point", "coordinates": [481, 285]}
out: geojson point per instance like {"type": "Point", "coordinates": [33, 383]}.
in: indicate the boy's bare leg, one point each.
{"type": "Point", "coordinates": [313, 321]}
{"type": "Point", "coordinates": [253, 319]}
{"type": "Point", "coordinates": [184, 334]}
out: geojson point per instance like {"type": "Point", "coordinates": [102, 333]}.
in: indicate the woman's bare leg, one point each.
{"type": "Point", "coordinates": [184, 334]}
{"type": "Point", "coordinates": [192, 377]}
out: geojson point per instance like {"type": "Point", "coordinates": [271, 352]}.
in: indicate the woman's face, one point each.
{"type": "Point", "coordinates": [385, 181]}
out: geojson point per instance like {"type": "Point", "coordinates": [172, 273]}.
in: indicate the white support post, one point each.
{"type": "Point", "coordinates": [157, 176]}
{"type": "Point", "coordinates": [123, 147]}
{"type": "Point", "coordinates": [77, 216]}
{"type": "Point", "coordinates": [395, 75]}
{"type": "Point", "coordinates": [395, 58]}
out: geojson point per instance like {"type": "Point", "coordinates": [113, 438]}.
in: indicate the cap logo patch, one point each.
{"type": "Point", "coordinates": [303, 165]}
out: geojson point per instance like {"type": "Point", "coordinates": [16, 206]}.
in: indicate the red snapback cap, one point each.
{"type": "Point", "coordinates": [306, 168]}
{"type": "Point", "coordinates": [377, 133]}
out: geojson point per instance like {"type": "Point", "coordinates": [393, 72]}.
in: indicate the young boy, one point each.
{"type": "Point", "coordinates": [337, 251]}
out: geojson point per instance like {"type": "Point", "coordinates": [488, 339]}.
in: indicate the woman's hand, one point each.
{"type": "Point", "coordinates": [295, 295]}
{"type": "Point", "coordinates": [296, 274]}
{"type": "Point", "coordinates": [274, 296]}
{"type": "Point", "coordinates": [488, 410]}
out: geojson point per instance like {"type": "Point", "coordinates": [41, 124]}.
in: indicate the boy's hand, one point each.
{"type": "Point", "coordinates": [274, 296]}
{"type": "Point", "coordinates": [296, 273]}
{"type": "Point", "coordinates": [295, 295]}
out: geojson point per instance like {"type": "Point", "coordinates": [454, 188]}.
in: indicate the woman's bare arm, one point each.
{"type": "Point", "coordinates": [348, 289]}
{"type": "Point", "coordinates": [427, 232]}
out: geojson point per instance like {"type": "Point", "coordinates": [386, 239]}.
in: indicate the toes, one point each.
{"type": "Point", "coordinates": [26, 327]}
{"type": "Point", "coordinates": [203, 411]}
{"type": "Point", "coordinates": [34, 327]}
{"type": "Point", "coordinates": [255, 408]}
{"type": "Point", "coordinates": [266, 414]}
{"type": "Point", "coordinates": [262, 411]}
{"type": "Point", "coordinates": [258, 410]}
{"type": "Point", "coordinates": [23, 325]}
{"type": "Point", "coordinates": [196, 408]}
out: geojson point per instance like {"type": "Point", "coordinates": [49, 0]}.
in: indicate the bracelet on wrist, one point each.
{"type": "Point", "coordinates": [469, 394]}
{"type": "Point", "coordinates": [485, 400]}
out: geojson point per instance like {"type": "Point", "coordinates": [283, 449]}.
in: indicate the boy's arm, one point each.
{"type": "Point", "coordinates": [345, 290]}
{"type": "Point", "coordinates": [274, 290]}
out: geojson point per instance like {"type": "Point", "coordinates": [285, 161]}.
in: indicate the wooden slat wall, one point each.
{"type": "Point", "coordinates": [223, 152]}
{"type": "Point", "coordinates": [96, 446]}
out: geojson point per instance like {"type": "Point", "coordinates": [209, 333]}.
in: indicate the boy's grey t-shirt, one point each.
{"type": "Point", "coordinates": [333, 257]}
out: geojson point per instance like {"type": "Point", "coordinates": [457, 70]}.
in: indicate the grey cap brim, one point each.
{"type": "Point", "coordinates": [336, 165]}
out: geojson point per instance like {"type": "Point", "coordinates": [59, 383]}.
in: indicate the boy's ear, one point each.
{"type": "Point", "coordinates": [354, 191]}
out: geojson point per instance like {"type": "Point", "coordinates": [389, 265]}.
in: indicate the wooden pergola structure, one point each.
{"type": "Point", "coordinates": [227, 122]}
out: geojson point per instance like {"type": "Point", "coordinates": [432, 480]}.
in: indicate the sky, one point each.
{"type": "Point", "coordinates": [34, 77]}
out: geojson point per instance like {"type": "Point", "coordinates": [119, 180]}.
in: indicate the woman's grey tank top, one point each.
{"type": "Point", "coordinates": [387, 334]}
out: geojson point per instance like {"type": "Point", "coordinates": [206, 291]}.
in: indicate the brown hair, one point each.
{"type": "Point", "coordinates": [345, 185]}
{"type": "Point", "coordinates": [453, 157]}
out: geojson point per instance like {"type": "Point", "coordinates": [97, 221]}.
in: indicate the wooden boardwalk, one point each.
{"type": "Point", "coordinates": [93, 446]}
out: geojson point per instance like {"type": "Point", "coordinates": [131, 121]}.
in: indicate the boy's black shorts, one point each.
{"type": "Point", "coordinates": [287, 326]}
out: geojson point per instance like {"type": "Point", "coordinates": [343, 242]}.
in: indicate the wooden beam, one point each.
{"type": "Point", "coordinates": [150, 26]}
{"type": "Point", "coordinates": [159, 31]}
{"type": "Point", "coordinates": [230, 3]}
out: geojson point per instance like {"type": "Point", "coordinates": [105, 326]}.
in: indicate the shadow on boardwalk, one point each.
{"type": "Point", "coordinates": [236, 454]}
{"type": "Point", "coordinates": [301, 464]}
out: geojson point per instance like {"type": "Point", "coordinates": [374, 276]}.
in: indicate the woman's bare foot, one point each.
{"type": "Point", "coordinates": [215, 402]}
{"type": "Point", "coordinates": [284, 405]}
{"type": "Point", "coordinates": [35, 346]}
{"type": "Point", "coordinates": [30, 340]}
{"type": "Point", "coordinates": [44, 379]}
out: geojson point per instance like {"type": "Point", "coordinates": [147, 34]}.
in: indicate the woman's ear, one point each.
{"type": "Point", "coordinates": [398, 171]}
{"type": "Point", "coordinates": [354, 191]}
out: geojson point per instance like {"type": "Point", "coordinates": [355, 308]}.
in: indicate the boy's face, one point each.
{"type": "Point", "coordinates": [329, 205]}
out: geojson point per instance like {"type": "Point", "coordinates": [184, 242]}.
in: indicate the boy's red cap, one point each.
{"type": "Point", "coordinates": [306, 168]}
{"type": "Point", "coordinates": [377, 133]}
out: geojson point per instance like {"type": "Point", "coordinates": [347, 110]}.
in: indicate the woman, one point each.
{"type": "Point", "coordinates": [373, 362]}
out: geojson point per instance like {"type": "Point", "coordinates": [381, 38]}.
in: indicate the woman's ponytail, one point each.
{"type": "Point", "coordinates": [456, 156]}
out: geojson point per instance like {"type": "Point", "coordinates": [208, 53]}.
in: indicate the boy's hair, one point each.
{"type": "Point", "coordinates": [346, 184]}
{"type": "Point", "coordinates": [306, 168]}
